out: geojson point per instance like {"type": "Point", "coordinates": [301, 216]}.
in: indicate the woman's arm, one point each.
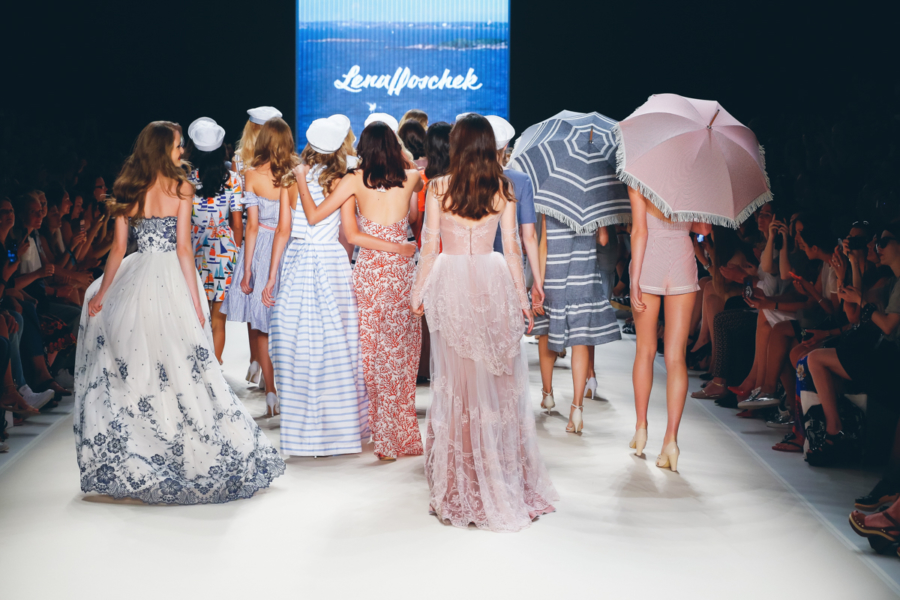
{"type": "Point", "coordinates": [431, 248]}
{"type": "Point", "coordinates": [316, 214]}
{"type": "Point", "coordinates": [235, 196]}
{"type": "Point", "coordinates": [279, 242]}
{"type": "Point", "coordinates": [639, 235]}
{"type": "Point", "coordinates": [250, 246]}
{"type": "Point", "coordinates": [512, 251]}
{"type": "Point", "coordinates": [236, 220]}
{"type": "Point", "coordinates": [784, 263]}
{"type": "Point", "coordinates": [364, 240]}
{"type": "Point", "coordinates": [184, 247]}
{"type": "Point", "coordinates": [767, 260]}
{"type": "Point", "coordinates": [116, 254]}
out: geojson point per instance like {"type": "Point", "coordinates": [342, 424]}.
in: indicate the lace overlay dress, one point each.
{"type": "Point", "coordinates": [481, 456]}
{"type": "Point", "coordinates": [154, 417]}
{"type": "Point", "coordinates": [390, 340]}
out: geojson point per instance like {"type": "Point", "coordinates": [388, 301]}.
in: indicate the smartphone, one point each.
{"type": "Point", "coordinates": [748, 288]}
{"type": "Point", "coordinates": [700, 237]}
{"type": "Point", "coordinates": [12, 252]}
{"type": "Point", "coordinates": [81, 224]}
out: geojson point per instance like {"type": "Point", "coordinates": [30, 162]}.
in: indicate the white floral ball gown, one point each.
{"type": "Point", "coordinates": [154, 417]}
{"type": "Point", "coordinates": [481, 456]}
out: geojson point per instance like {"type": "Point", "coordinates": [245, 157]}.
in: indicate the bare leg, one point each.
{"type": "Point", "coordinates": [678, 320]}
{"type": "Point", "coordinates": [754, 378]}
{"type": "Point", "coordinates": [703, 336]}
{"type": "Point", "coordinates": [590, 372]}
{"type": "Point", "coordinates": [579, 375]}
{"type": "Point", "coordinates": [217, 322]}
{"type": "Point", "coordinates": [265, 362]}
{"type": "Point", "coordinates": [712, 306]}
{"type": "Point", "coordinates": [254, 344]}
{"type": "Point", "coordinates": [824, 366]}
{"type": "Point", "coordinates": [698, 305]}
{"type": "Point", "coordinates": [548, 359]}
{"type": "Point", "coordinates": [781, 339]}
{"type": "Point", "coordinates": [642, 375]}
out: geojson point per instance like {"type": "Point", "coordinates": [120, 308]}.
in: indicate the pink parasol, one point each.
{"type": "Point", "coordinates": [693, 160]}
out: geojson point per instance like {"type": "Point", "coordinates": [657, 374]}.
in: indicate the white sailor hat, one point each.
{"type": "Point", "coordinates": [342, 120]}
{"type": "Point", "coordinates": [206, 134]}
{"type": "Point", "coordinates": [383, 118]}
{"type": "Point", "coordinates": [261, 114]}
{"type": "Point", "coordinates": [352, 162]}
{"type": "Point", "coordinates": [325, 136]}
{"type": "Point", "coordinates": [503, 131]}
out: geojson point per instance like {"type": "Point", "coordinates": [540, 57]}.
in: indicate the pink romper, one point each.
{"type": "Point", "coordinates": [669, 266]}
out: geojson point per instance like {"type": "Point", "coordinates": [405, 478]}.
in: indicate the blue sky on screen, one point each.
{"type": "Point", "coordinates": [409, 11]}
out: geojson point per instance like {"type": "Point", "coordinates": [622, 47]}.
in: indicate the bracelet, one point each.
{"type": "Point", "coordinates": [867, 311]}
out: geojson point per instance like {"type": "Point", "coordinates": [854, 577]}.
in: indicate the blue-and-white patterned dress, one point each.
{"type": "Point", "coordinates": [242, 307]}
{"type": "Point", "coordinates": [154, 416]}
{"type": "Point", "coordinates": [314, 342]}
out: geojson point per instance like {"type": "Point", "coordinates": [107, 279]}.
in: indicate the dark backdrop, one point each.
{"type": "Point", "coordinates": [111, 67]}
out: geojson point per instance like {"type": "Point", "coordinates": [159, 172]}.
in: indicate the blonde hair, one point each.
{"type": "Point", "coordinates": [275, 145]}
{"type": "Point", "coordinates": [334, 164]}
{"type": "Point", "coordinates": [247, 144]}
{"type": "Point", "coordinates": [150, 160]}
{"type": "Point", "coordinates": [414, 114]}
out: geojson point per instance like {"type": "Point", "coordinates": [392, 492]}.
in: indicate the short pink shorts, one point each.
{"type": "Point", "coordinates": [669, 266]}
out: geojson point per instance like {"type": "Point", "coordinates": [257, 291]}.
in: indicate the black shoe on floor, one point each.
{"type": "Point", "coordinates": [730, 401]}
{"type": "Point", "coordinates": [832, 451]}
{"type": "Point", "coordinates": [884, 492]}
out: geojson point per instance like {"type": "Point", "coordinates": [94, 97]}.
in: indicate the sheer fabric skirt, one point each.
{"type": "Point", "coordinates": [481, 457]}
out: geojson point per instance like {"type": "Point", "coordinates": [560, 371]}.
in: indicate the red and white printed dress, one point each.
{"type": "Point", "coordinates": [390, 338]}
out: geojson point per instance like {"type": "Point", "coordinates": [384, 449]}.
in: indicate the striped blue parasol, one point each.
{"type": "Point", "coordinates": [571, 159]}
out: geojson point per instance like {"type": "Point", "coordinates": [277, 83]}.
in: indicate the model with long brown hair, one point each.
{"type": "Point", "coordinates": [481, 456]}
{"type": "Point", "coordinates": [154, 417]}
{"type": "Point", "coordinates": [268, 172]}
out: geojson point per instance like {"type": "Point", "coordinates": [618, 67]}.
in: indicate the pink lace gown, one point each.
{"type": "Point", "coordinates": [390, 339]}
{"type": "Point", "coordinates": [481, 454]}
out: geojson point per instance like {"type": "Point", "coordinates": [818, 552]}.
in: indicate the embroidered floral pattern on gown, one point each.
{"type": "Point", "coordinates": [390, 338]}
{"type": "Point", "coordinates": [481, 456]}
{"type": "Point", "coordinates": [154, 417]}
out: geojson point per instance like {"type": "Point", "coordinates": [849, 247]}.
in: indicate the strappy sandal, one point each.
{"type": "Point", "coordinates": [891, 533]}
{"type": "Point", "coordinates": [789, 444]}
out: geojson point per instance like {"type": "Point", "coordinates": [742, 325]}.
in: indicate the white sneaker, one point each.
{"type": "Point", "coordinates": [36, 400]}
{"type": "Point", "coordinates": [65, 379]}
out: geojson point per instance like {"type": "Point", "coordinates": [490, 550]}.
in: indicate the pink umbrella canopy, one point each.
{"type": "Point", "coordinates": [693, 160]}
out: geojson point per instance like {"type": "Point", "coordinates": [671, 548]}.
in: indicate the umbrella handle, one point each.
{"type": "Point", "coordinates": [713, 119]}
{"type": "Point", "coordinates": [591, 139]}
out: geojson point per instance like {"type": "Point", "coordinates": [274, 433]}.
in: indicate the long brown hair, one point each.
{"type": "Point", "coordinates": [275, 145]}
{"type": "Point", "coordinates": [475, 174]}
{"type": "Point", "coordinates": [381, 156]}
{"type": "Point", "coordinates": [150, 160]}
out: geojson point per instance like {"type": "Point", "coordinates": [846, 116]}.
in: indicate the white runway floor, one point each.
{"type": "Point", "coordinates": [352, 527]}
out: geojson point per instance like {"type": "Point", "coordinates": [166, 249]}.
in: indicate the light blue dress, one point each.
{"type": "Point", "coordinates": [239, 306]}
{"type": "Point", "coordinates": [314, 342]}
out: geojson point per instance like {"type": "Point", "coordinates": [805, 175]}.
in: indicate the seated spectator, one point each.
{"type": "Point", "coordinates": [869, 356]}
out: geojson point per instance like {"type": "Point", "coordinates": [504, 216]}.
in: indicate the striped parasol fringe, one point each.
{"type": "Point", "coordinates": [619, 219]}
{"type": "Point", "coordinates": [693, 217]}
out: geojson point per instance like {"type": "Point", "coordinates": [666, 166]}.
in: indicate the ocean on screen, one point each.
{"type": "Point", "coordinates": [445, 58]}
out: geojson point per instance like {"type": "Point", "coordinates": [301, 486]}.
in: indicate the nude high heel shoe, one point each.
{"type": "Point", "coordinates": [590, 388]}
{"type": "Point", "coordinates": [577, 413]}
{"type": "Point", "coordinates": [639, 441]}
{"type": "Point", "coordinates": [254, 372]}
{"type": "Point", "coordinates": [668, 458]}
{"type": "Point", "coordinates": [547, 401]}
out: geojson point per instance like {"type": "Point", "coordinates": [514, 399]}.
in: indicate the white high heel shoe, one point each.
{"type": "Point", "coordinates": [254, 372]}
{"type": "Point", "coordinates": [577, 415]}
{"type": "Point", "coordinates": [272, 405]}
{"type": "Point", "coordinates": [547, 401]}
{"type": "Point", "coordinates": [639, 441]}
{"type": "Point", "coordinates": [668, 458]}
{"type": "Point", "coordinates": [590, 388]}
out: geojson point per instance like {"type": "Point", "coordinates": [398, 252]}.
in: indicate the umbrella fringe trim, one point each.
{"type": "Point", "coordinates": [693, 217]}
{"type": "Point", "coordinates": [618, 219]}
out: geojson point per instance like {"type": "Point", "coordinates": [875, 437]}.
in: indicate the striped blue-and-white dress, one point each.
{"type": "Point", "coordinates": [577, 311]}
{"type": "Point", "coordinates": [314, 342]}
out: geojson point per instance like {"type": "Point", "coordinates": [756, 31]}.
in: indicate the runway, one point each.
{"type": "Point", "coordinates": [353, 527]}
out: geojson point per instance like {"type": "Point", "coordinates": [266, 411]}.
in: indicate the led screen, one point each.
{"type": "Point", "coordinates": [357, 57]}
